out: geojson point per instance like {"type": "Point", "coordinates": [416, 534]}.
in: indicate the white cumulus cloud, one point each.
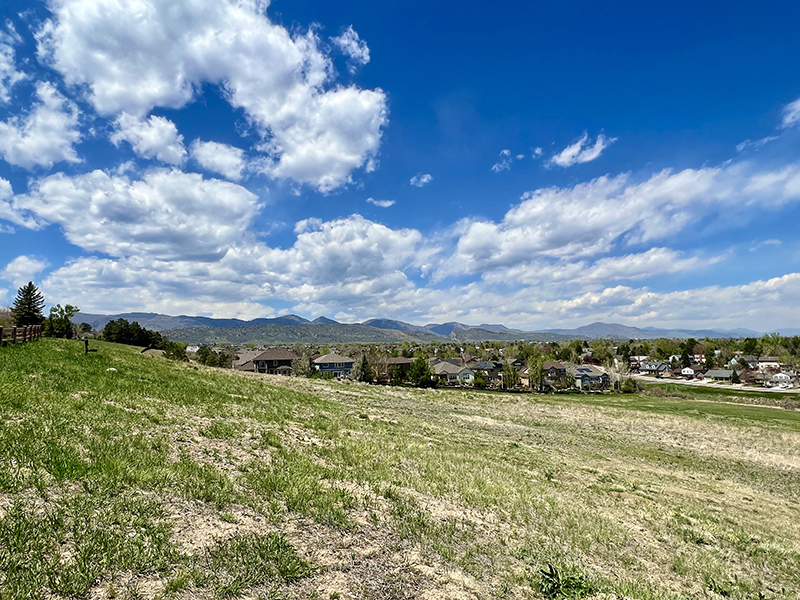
{"type": "Point", "coordinates": [136, 57]}
{"type": "Point", "coordinates": [590, 218]}
{"type": "Point", "coordinates": [156, 137]}
{"type": "Point", "coordinates": [22, 269]}
{"type": "Point", "coordinates": [224, 159]}
{"type": "Point", "coordinates": [582, 151]}
{"type": "Point", "coordinates": [45, 135]}
{"type": "Point", "coordinates": [167, 214]}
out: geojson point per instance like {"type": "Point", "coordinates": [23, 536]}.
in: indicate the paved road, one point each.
{"type": "Point", "coordinates": [711, 384]}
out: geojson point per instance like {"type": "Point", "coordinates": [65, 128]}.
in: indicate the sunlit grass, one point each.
{"type": "Point", "coordinates": [180, 477]}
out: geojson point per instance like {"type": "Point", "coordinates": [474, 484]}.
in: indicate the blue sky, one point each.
{"type": "Point", "coordinates": [534, 164]}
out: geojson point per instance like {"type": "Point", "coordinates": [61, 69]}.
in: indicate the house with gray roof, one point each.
{"type": "Point", "coordinates": [334, 364]}
{"type": "Point", "coordinates": [589, 377]}
{"type": "Point", "coordinates": [450, 374]}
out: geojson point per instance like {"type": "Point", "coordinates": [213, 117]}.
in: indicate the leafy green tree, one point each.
{"type": "Point", "coordinates": [752, 346]}
{"type": "Point", "coordinates": [301, 366]}
{"type": "Point", "coordinates": [59, 324]}
{"type": "Point", "coordinates": [420, 374]}
{"type": "Point", "coordinates": [28, 306]}
{"type": "Point", "coordinates": [121, 331]}
{"type": "Point", "coordinates": [204, 355]}
{"type": "Point", "coordinates": [175, 351]}
{"type": "Point", "coordinates": [510, 376]}
{"type": "Point", "coordinates": [397, 374]}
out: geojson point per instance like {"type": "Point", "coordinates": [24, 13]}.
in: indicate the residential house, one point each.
{"type": "Point", "coordinates": [781, 379]}
{"type": "Point", "coordinates": [555, 373]}
{"type": "Point", "coordinates": [275, 361]}
{"type": "Point", "coordinates": [398, 366]}
{"type": "Point", "coordinates": [655, 368]}
{"type": "Point", "coordinates": [692, 372]}
{"type": "Point", "coordinates": [450, 374]}
{"type": "Point", "coordinates": [589, 377]}
{"type": "Point", "coordinates": [490, 369]}
{"type": "Point", "coordinates": [768, 363]}
{"type": "Point", "coordinates": [719, 374]}
{"type": "Point", "coordinates": [334, 364]}
{"type": "Point", "coordinates": [244, 360]}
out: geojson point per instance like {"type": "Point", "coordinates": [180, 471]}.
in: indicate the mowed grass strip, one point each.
{"type": "Point", "coordinates": [131, 474]}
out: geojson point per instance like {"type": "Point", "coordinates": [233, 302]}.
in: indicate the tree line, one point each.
{"type": "Point", "coordinates": [28, 309]}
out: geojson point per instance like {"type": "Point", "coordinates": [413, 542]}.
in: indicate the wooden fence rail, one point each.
{"type": "Point", "coordinates": [14, 335]}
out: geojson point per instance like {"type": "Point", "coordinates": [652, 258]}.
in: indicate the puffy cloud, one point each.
{"type": "Point", "coordinates": [22, 269]}
{"type": "Point", "coordinates": [133, 58]}
{"type": "Point", "coordinates": [347, 262]}
{"type": "Point", "coordinates": [581, 151]}
{"type": "Point", "coordinates": [9, 76]}
{"type": "Point", "coordinates": [351, 249]}
{"type": "Point", "coordinates": [537, 152]}
{"type": "Point", "coordinates": [764, 304]}
{"type": "Point", "coordinates": [45, 135]}
{"type": "Point", "coordinates": [138, 283]}
{"type": "Point", "coordinates": [353, 47]}
{"type": "Point", "coordinates": [421, 179]}
{"type": "Point", "coordinates": [575, 275]}
{"type": "Point", "coordinates": [586, 220]}
{"type": "Point", "coordinates": [167, 214]}
{"type": "Point", "coordinates": [226, 160]}
{"type": "Point", "coordinates": [7, 212]}
{"type": "Point", "coordinates": [155, 137]}
{"type": "Point", "coordinates": [381, 203]}
{"type": "Point", "coordinates": [791, 114]}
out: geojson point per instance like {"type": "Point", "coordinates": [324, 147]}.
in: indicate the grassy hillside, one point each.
{"type": "Point", "coordinates": [128, 476]}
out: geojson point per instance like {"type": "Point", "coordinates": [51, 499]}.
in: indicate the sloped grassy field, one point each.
{"type": "Point", "coordinates": [159, 479]}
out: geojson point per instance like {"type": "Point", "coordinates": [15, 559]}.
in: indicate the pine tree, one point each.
{"type": "Point", "coordinates": [29, 306]}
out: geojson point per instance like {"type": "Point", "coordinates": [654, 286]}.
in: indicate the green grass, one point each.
{"type": "Point", "coordinates": [163, 479]}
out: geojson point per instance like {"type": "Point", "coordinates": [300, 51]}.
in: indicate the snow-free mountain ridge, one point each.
{"type": "Point", "coordinates": [295, 329]}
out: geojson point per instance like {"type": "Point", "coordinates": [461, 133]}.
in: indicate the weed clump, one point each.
{"type": "Point", "coordinates": [564, 582]}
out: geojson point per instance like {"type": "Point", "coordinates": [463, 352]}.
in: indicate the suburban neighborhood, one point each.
{"type": "Point", "coordinates": [522, 367]}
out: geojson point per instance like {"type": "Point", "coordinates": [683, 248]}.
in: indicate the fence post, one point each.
{"type": "Point", "coordinates": [1, 335]}
{"type": "Point", "coordinates": [13, 335]}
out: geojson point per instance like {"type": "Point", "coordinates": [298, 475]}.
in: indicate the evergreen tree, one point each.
{"type": "Point", "coordinates": [362, 370]}
{"type": "Point", "coordinates": [175, 351]}
{"type": "Point", "coordinates": [420, 374]}
{"type": "Point", "coordinates": [28, 306]}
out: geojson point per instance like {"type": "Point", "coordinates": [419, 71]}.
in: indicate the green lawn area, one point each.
{"type": "Point", "coordinates": [128, 476]}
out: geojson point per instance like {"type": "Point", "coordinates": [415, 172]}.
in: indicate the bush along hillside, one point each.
{"type": "Point", "coordinates": [130, 476]}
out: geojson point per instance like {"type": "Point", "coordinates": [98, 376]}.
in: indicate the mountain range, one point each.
{"type": "Point", "coordinates": [292, 329]}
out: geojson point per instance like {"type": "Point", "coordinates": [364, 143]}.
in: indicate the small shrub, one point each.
{"type": "Point", "coordinates": [555, 582]}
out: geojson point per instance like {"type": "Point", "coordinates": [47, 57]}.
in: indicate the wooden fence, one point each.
{"type": "Point", "coordinates": [14, 335]}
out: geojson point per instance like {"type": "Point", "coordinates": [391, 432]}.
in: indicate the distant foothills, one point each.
{"type": "Point", "coordinates": [292, 329]}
